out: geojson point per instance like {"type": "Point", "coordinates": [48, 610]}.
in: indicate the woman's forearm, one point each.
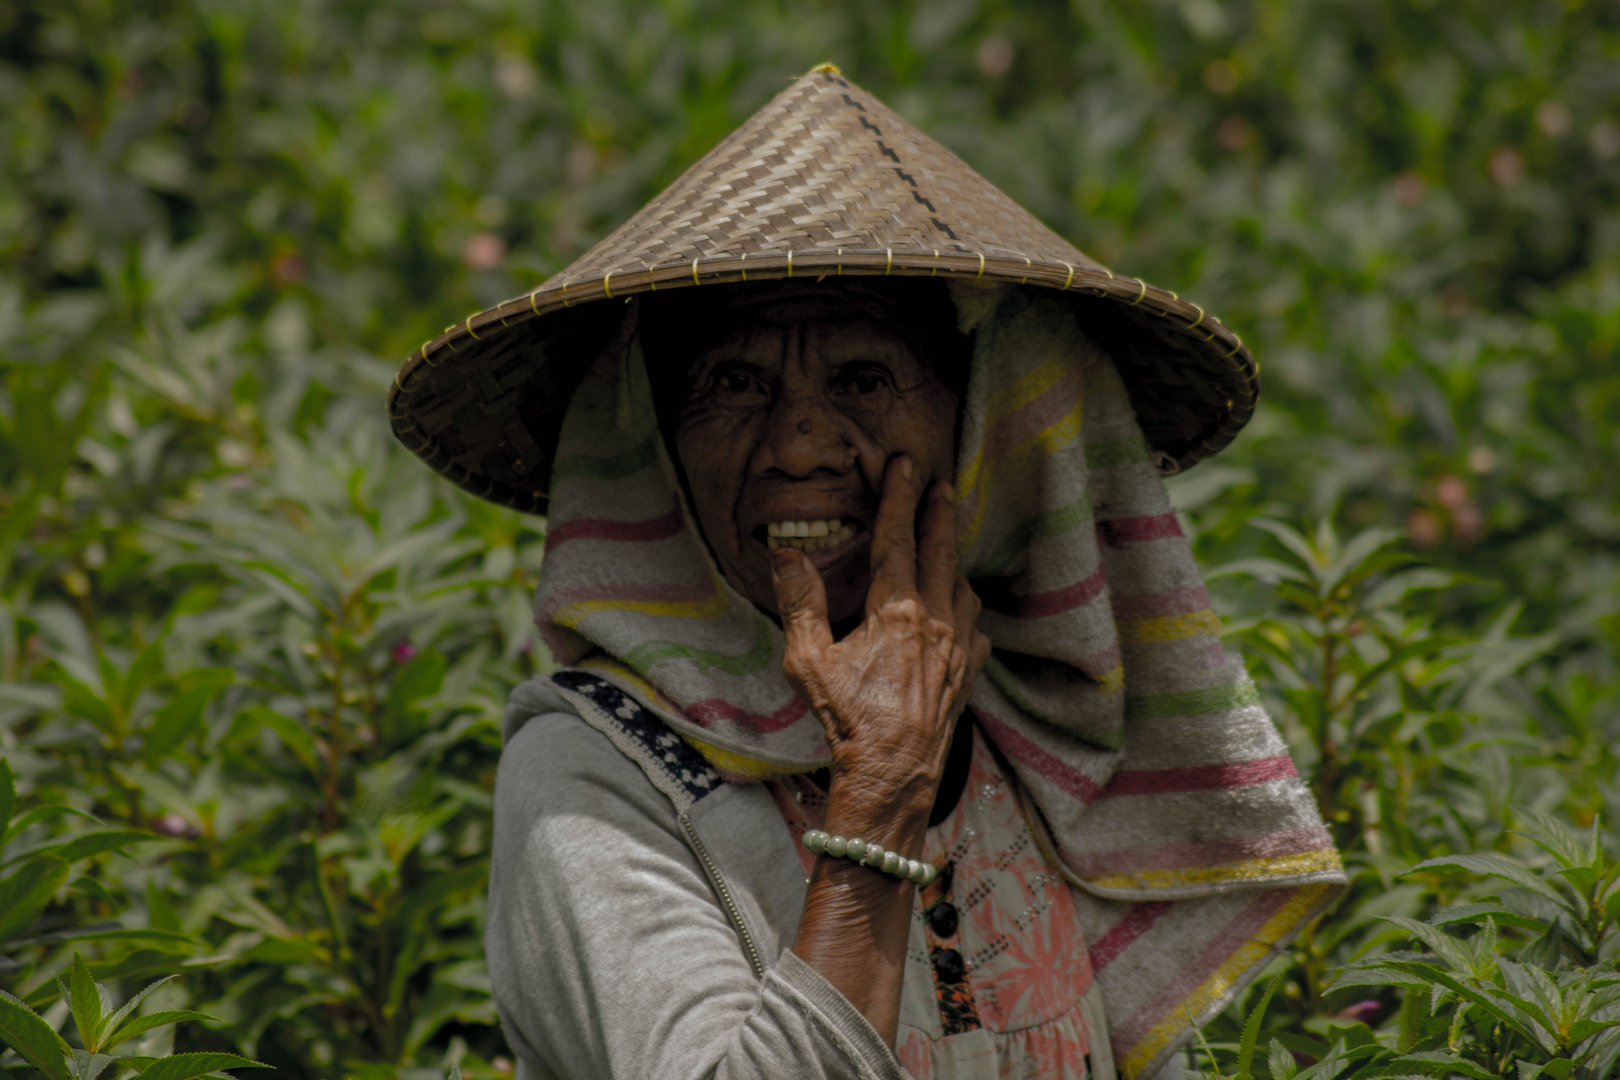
{"type": "Point", "coordinates": [856, 919]}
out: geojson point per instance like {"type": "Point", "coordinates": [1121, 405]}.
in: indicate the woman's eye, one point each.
{"type": "Point", "coordinates": [863, 382]}
{"type": "Point", "coordinates": [734, 382]}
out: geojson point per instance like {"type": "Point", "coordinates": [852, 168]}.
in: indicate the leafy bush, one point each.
{"type": "Point", "coordinates": [245, 632]}
{"type": "Point", "coordinates": [1467, 1009]}
{"type": "Point", "coordinates": [103, 1031]}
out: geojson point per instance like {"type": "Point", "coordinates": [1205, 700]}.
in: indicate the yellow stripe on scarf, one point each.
{"type": "Point", "coordinates": [710, 607]}
{"type": "Point", "coordinates": [1169, 627]}
{"type": "Point", "coordinates": [1220, 984]}
{"type": "Point", "coordinates": [1248, 870]}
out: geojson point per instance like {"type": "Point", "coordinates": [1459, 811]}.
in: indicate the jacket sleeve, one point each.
{"type": "Point", "coordinates": [609, 954]}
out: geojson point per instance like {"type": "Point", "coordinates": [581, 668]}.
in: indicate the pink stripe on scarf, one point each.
{"type": "Point", "coordinates": [658, 528]}
{"type": "Point", "coordinates": [1018, 747]}
{"type": "Point", "coordinates": [1159, 605]}
{"type": "Point", "coordinates": [1119, 936]}
{"type": "Point", "coordinates": [707, 712]}
{"type": "Point", "coordinates": [1200, 777]}
{"type": "Point", "coordinates": [1057, 601]}
{"type": "Point", "coordinates": [1132, 530]}
{"type": "Point", "coordinates": [1232, 937]}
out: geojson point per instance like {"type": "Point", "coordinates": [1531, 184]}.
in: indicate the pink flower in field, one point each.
{"type": "Point", "coordinates": [403, 652]}
{"type": "Point", "coordinates": [483, 251]}
{"type": "Point", "coordinates": [172, 824]}
{"type": "Point", "coordinates": [1364, 1011]}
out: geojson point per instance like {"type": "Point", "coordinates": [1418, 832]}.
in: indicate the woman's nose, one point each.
{"type": "Point", "coordinates": [802, 438]}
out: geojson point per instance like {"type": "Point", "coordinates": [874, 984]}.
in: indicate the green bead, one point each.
{"type": "Point", "coordinates": [891, 862]}
{"type": "Point", "coordinates": [855, 849]}
{"type": "Point", "coordinates": [874, 855]}
{"type": "Point", "coordinates": [836, 846]}
{"type": "Point", "coordinates": [929, 873]}
{"type": "Point", "coordinates": [815, 841]}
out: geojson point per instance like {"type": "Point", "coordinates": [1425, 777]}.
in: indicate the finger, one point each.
{"type": "Point", "coordinates": [965, 608]}
{"type": "Point", "coordinates": [801, 601]}
{"type": "Point", "coordinates": [936, 550]}
{"type": "Point", "coordinates": [894, 538]}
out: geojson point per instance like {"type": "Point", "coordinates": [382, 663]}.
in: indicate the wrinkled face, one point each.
{"type": "Point", "coordinates": [784, 439]}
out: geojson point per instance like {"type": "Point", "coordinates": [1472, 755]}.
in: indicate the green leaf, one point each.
{"type": "Point", "coordinates": [1282, 1063]}
{"type": "Point", "coordinates": [1508, 1012]}
{"type": "Point", "coordinates": [189, 1066]}
{"type": "Point", "coordinates": [42, 814]}
{"type": "Point", "coordinates": [1251, 1028]}
{"type": "Point", "coordinates": [142, 1024]}
{"type": "Point", "coordinates": [87, 1001]}
{"type": "Point", "coordinates": [103, 933]}
{"type": "Point", "coordinates": [174, 722]}
{"type": "Point", "coordinates": [25, 893]}
{"type": "Point", "coordinates": [292, 734]}
{"type": "Point", "coordinates": [419, 679]}
{"type": "Point", "coordinates": [96, 843]}
{"type": "Point", "coordinates": [8, 795]}
{"type": "Point", "coordinates": [24, 1031]}
{"type": "Point", "coordinates": [130, 1006]}
{"type": "Point", "coordinates": [146, 667]}
{"type": "Point", "coordinates": [1492, 866]}
{"type": "Point", "coordinates": [80, 700]}
{"type": "Point", "coordinates": [1451, 1061]}
{"type": "Point", "coordinates": [1476, 913]}
{"type": "Point", "coordinates": [1545, 951]}
{"type": "Point", "coordinates": [89, 1064]}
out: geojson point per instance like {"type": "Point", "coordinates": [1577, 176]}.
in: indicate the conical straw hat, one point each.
{"type": "Point", "coordinates": [824, 180]}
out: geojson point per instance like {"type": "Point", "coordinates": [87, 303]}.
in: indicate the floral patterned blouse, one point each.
{"type": "Point", "coordinates": [997, 972]}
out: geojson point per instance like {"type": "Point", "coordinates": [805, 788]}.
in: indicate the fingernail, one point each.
{"type": "Point", "coordinates": [785, 564]}
{"type": "Point", "coordinates": [905, 466]}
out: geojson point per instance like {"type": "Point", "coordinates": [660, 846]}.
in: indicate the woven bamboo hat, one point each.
{"type": "Point", "coordinates": [824, 180]}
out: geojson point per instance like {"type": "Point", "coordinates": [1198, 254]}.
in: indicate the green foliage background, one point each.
{"type": "Point", "coordinates": [237, 617]}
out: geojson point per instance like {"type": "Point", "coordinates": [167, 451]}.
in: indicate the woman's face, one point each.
{"type": "Point", "coordinates": [786, 432]}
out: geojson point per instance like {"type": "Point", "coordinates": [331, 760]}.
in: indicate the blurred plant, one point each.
{"type": "Point", "coordinates": [1466, 1008]}
{"type": "Point", "coordinates": [31, 880]}
{"type": "Point", "coordinates": [102, 1030]}
{"type": "Point", "coordinates": [235, 617]}
{"type": "Point", "coordinates": [1555, 1010]}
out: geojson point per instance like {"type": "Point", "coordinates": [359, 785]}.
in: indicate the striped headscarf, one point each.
{"type": "Point", "coordinates": [1164, 788]}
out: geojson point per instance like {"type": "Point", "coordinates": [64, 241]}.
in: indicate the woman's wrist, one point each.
{"type": "Point", "coordinates": [893, 815]}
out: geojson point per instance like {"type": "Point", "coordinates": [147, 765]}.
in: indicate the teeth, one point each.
{"type": "Point", "coordinates": [824, 527]}
{"type": "Point", "coordinates": [808, 535]}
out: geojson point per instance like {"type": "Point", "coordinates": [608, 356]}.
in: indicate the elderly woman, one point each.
{"type": "Point", "coordinates": [894, 734]}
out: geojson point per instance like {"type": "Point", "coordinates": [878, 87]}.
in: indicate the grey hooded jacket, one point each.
{"type": "Point", "coordinates": [640, 910]}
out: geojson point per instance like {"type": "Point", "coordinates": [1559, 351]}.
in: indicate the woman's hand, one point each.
{"type": "Point", "coordinates": [889, 693]}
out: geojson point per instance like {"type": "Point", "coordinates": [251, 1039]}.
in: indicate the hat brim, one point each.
{"type": "Point", "coordinates": [824, 181]}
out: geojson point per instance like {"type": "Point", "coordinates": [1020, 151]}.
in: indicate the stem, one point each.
{"type": "Point", "coordinates": [1328, 764]}
{"type": "Point", "coordinates": [334, 746]}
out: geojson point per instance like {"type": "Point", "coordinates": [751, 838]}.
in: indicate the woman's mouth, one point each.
{"type": "Point", "coordinates": [814, 535]}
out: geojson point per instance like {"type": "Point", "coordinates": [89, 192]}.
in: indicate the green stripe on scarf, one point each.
{"type": "Point", "coordinates": [644, 657]}
{"type": "Point", "coordinates": [586, 467]}
{"type": "Point", "coordinates": [1039, 527]}
{"type": "Point", "coordinates": [1190, 702]}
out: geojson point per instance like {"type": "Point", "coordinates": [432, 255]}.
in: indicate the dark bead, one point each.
{"type": "Point", "coordinates": [943, 918]}
{"type": "Point", "coordinates": [948, 966]}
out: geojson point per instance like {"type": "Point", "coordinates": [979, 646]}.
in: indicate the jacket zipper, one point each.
{"type": "Point", "coordinates": [724, 892]}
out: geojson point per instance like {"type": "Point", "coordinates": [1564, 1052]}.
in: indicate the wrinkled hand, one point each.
{"type": "Point", "coordinates": [889, 693]}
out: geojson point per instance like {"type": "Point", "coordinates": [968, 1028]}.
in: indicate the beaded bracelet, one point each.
{"type": "Point", "coordinates": [866, 853]}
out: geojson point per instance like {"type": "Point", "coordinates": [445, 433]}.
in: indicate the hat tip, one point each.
{"type": "Point", "coordinates": [831, 69]}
